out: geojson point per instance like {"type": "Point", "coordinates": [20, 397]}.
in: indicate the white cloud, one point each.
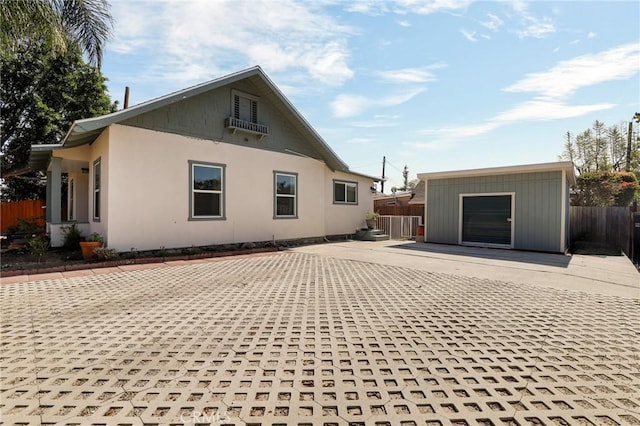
{"type": "Point", "coordinates": [469, 35]}
{"type": "Point", "coordinates": [528, 111]}
{"type": "Point", "coordinates": [225, 35]}
{"type": "Point", "coordinates": [532, 26]}
{"type": "Point", "coordinates": [345, 105]}
{"type": "Point", "coordinates": [349, 105]}
{"type": "Point", "coordinates": [367, 7]}
{"type": "Point", "coordinates": [405, 24]}
{"type": "Point", "coordinates": [591, 34]}
{"type": "Point", "coordinates": [465, 131]}
{"type": "Point", "coordinates": [568, 76]}
{"type": "Point", "coordinates": [410, 75]}
{"type": "Point", "coordinates": [493, 23]}
{"type": "Point", "coordinates": [427, 7]}
{"type": "Point", "coordinates": [539, 110]}
{"type": "Point", "coordinates": [537, 28]}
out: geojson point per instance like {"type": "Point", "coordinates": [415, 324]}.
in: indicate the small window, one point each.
{"type": "Point", "coordinates": [245, 107]}
{"type": "Point", "coordinates": [207, 191]}
{"type": "Point", "coordinates": [97, 171]}
{"type": "Point", "coordinates": [345, 192]}
{"type": "Point", "coordinates": [286, 195]}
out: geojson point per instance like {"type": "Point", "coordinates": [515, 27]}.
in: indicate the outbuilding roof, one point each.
{"type": "Point", "coordinates": [566, 166]}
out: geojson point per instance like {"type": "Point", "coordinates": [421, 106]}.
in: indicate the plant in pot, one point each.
{"type": "Point", "coordinates": [92, 242]}
{"type": "Point", "coordinates": [371, 219]}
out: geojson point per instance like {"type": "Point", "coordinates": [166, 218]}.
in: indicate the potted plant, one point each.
{"type": "Point", "coordinates": [371, 219]}
{"type": "Point", "coordinates": [92, 242]}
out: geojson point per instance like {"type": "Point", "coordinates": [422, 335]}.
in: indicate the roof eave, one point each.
{"type": "Point", "coordinates": [566, 166]}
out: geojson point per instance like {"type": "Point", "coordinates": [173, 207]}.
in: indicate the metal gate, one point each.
{"type": "Point", "coordinates": [399, 227]}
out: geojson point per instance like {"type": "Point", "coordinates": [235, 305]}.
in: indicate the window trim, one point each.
{"type": "Point", "coordinates": [222, 192]}
{"type": "Point", "coordinates": [71, 201]}
{"type": "Point", "coordinates": [97, 192]}
{"type": "Point", "coordinates": [276, 173]}
{"type": "Point", "coordinates": [345, 183]}
{"type": "Point", "coordinates": [253, 98]}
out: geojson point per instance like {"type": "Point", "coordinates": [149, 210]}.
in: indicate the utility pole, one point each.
{"type": "Point", "coordinates": [384, 161]}
{"type": "Point", "coordinates": [636, 117]}
{"type": "Point", "coordinates": [627, 167]}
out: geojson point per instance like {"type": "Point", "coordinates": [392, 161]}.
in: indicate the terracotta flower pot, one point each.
{"type": "Point", "coordinates": [88, 247]}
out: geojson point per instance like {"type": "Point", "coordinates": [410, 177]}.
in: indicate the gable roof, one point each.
{"type": "Point", "coordinates": [87, 130]}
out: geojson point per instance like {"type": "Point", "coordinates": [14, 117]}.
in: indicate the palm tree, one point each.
{"type": "Point", "coordinates": [58, 23]}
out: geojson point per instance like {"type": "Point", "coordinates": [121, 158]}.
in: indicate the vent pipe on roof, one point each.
{"type": "Point", "coordinates": [126, 97]}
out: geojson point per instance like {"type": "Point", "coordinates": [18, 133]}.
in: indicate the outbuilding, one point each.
{"type": "Point", "coordinates": [522, 207]}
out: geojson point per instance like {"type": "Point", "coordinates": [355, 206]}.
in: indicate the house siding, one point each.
{"type": "Point", "coordinates": [538, 201]}
{"type": "Point", "coordinates": [346, 218]}
{"type": "Point", "coordinates": [151, 210]}
{"type": "Point", "coordinates": [203, 116]}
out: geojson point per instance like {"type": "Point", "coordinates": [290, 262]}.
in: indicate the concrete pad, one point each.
{"type": "Point", "coordinates": [103, 271]}
{"type": "Point", "coordinates": [78, 273]}
{"type": "Point", "coordinates": [315, 339]}
{"type": "Point", "coordinates": [141, 266]}
{"type": "Point", "coordinates": [607, 275]}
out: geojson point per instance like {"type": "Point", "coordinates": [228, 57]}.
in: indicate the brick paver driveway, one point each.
{"type": "Point", "coordinates": [300, 339]}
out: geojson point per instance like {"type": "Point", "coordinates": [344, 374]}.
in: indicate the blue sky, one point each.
{"type": "Point", "coordinates": [436, 85]}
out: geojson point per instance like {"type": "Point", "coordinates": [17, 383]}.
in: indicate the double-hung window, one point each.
{"type": "Point", "coordinates": [345, 192]}
{"type": "Point", "coordinates": [286, 195]}
{"type": "Point", "coordinates": [206, 194]}
{"type": "Point", "coordinates": [97, 172]}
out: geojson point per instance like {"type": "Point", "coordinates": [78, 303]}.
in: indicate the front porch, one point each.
{"type": "Point", "coordinates": [67, 191]}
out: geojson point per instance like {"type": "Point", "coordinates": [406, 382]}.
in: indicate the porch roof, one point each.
{"type": "Point", "coordinates": [40, 155]}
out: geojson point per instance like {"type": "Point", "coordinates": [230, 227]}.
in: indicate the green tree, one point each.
{"type": "Point", "coordinates": [602, 148]}
{"type": "Point", "coordinates": [405, 178]}
{"type": "Point", "coordinates": [41, 94]}
{"type": "Point", "coordinates": [58, 24]}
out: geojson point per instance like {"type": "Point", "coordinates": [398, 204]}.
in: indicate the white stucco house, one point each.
{"type": "Point", "coordinates": [227, 161]}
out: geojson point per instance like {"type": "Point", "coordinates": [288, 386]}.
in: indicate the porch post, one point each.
{"type": "Point", "coordinates": [48, 199]}
{"type": "Point", "coordinates": [54, 191]}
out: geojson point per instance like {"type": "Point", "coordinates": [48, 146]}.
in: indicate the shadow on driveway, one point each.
{"type": "Point", "coordinates": [548, 259]}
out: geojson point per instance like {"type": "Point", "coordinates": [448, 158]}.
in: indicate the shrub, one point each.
{"type": "Point", "coordinates": [95, 237]}
{"type": "Point", "coordinates": [104, 253]}
{"type": "Point", "coordinates": [30, 225]}
{"type": "Point", "coordinates": [38, 246]}
{"type": "Point", "coordinates": [72, 237]}
{"type": "Point", "coordinates": [605, 189]}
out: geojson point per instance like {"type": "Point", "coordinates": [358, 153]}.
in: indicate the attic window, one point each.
{"type": "Point", "coordinates": [244, 114]}
{"type": "Point", "coordinates": [245, 108]}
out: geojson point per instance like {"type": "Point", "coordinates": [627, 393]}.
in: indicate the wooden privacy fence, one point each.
{"type": "Point", "coordinates": [408, 210]}
{"type": "Point", "coordinates": [607, 225]}
{"type": "Point", "coordinates": [26, 209]}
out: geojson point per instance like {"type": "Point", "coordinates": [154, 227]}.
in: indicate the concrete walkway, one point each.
{"type": "Point", "coordinates": [336, 334]}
